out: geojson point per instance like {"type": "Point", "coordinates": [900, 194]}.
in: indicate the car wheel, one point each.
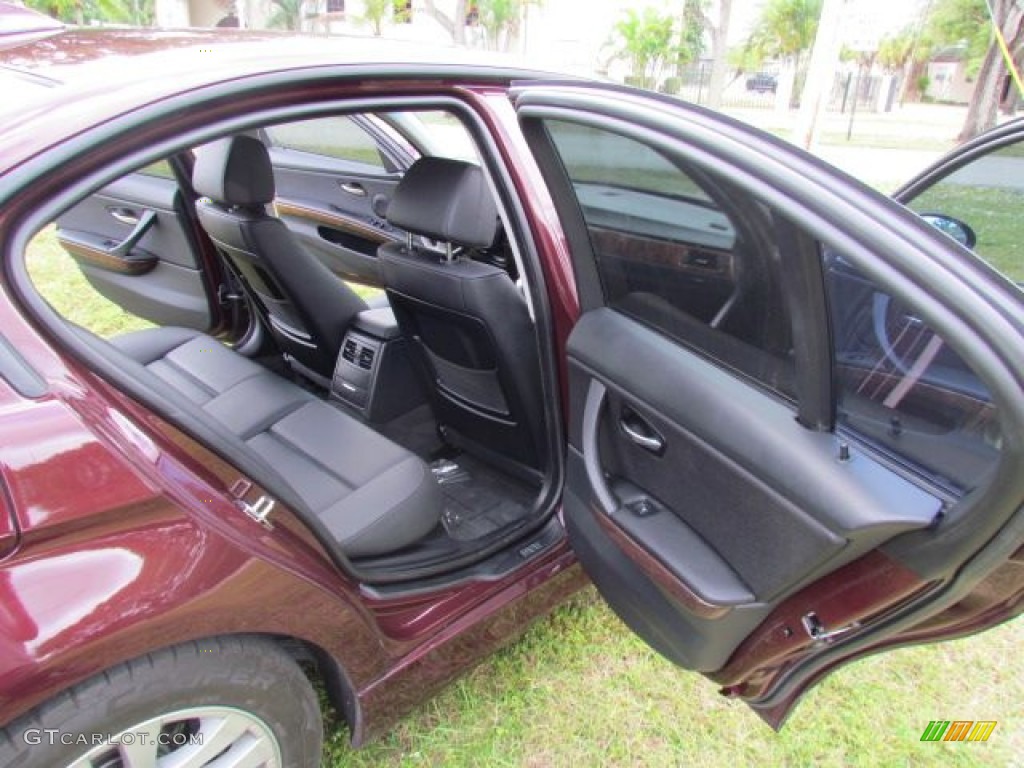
{"type": "Point", "coordinates": [225, 701]}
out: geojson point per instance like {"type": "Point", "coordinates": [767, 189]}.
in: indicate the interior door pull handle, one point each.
{"type": "Point", "coordinates": [124, 215]}
{"type": "Point", "coordinates": [142, 225]}
{"type": "Point", "coordinates": [353, 188]}
{"type": "Point", "coordinates": [650, 442]}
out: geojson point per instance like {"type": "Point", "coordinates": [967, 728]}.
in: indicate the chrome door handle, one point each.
{"type": "Point", "coordinates": [353, 188]}
{"type": "Point", "coordinates": [649, 442]}
{"type": "Point", "coordinates": [124, 215]}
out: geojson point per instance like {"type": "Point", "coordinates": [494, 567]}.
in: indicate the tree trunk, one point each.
{"type": "Point", "coordinates": [981, 112]}
{"type": "Point", "coordinates": [821, 71]}
{"type": "Point", "coordinates": [1011, 101]}
{"type": "Point", "coordinates": [720, 54]}
{"type": "Point", "coordinates": [459, 23]}
{"type": "Point", "coordinates": [454, 25]}
{"type": "Point", "coordinates": [912, 72]}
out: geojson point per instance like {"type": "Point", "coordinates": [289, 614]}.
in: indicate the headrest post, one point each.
{"type": "Point", "coordinates": [449, 254]}
{"type": "Point", "coordinates": [408, 241]}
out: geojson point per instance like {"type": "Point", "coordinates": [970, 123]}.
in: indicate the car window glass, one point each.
{"type": "Point", "coordinates": [161, 169]}
{"type": "Point", "coordinates": [432, 132]}
{"type": "Point", "coordinates": [902, 388]}
{"type": "Point", "coordinates": [59, 279]}
{"type": "Point", "coordinates": [987, 194]}
{"type": "Point", "coordinates": [691, 256]}
{"type": "Point", "coordinates": [338, 137]}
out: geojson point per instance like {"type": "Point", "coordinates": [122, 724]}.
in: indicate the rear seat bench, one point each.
{"type": "Point", "coordinates": [371, 494]}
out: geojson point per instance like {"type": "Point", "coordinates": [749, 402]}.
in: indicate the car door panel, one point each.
{"type": "Point", "coordinates": [740, 506]}
{"type": "Point", "coordinates": [723, 491]}
{"type": "Point", "coordinates": [336, 213]}
{"type": "Point", "coordinates": [131, 242]}
{"type": "Point", "coordinates": [646, 596]}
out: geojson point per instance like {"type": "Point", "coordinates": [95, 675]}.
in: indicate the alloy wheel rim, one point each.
{"type": "Point", "coordinates": [187, 738]}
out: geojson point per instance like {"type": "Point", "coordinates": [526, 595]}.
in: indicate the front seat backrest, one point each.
{"type": "Point", "coordinates": [473, 339]}
{"type": "Point", "coordinates": [306, 307]}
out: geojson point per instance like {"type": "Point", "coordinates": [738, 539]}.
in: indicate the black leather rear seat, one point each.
{"type": "Point", "coordinates": [372, 495]}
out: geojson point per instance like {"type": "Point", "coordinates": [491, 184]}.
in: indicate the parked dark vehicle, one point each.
{"type": "Point", "coordinates": [774, 415]}
{"type": "Point", "coordinates": [762, 82]}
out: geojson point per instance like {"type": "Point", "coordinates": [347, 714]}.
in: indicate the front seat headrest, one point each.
{"type": "Point", "coordinates": [234, 171]}
{"type": "Point", "coordinates": [446, 200]}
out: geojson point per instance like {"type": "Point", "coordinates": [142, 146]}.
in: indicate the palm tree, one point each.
{"type": "Point", "coordinates": [645, 40]}
{"type": "Point", "coordinates": [785, 30]}
{"type": "Point", "coordinates": [502, 19]}
{"type": "Point", "coordinates": [374, 13]}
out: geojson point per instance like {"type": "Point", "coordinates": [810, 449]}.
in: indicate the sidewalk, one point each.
{"type": "Point", "coordinates": [885, 169]}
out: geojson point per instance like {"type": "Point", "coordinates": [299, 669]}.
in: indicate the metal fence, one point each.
{"type": "Point", "coordinates": [859, 91]}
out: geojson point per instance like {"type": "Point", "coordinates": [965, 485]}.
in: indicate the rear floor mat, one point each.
{"type": "Point", "coordinates": [479, 499]}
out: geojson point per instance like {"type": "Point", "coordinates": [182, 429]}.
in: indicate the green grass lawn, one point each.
{"type": "Point", "coordinates": [579, 690]}
{"type": "Point", "coordinates": [994, 215]}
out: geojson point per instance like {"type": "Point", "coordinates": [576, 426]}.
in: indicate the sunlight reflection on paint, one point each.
{"type": "Point", "coordinates": [59, 592]}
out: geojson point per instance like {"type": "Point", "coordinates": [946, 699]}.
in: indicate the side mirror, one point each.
{"type": "Point", "coordinates": [955, 228]}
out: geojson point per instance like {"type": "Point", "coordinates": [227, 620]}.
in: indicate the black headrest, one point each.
{"type": "Point", "coordinates": [234, 171]}
{"type": "Point", "coordinates": [446, 200]}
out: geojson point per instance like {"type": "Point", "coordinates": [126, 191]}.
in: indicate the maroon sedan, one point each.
{"type": "Point", "coordinates": [775, 416]}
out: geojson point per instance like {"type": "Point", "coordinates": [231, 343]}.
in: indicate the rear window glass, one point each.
{"type": "Point", "coordinates": [338, 137]}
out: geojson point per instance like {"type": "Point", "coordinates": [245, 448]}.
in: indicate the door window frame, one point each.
{"type": "Point", "coordinates": [962, 299]}
{"type": "Point", "coordinates": [812, 377]}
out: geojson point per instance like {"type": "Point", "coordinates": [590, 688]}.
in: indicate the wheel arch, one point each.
{"type": "Point", "coordinates": [317, 663]}
{"type": "Point", "coordinates": [253, 676]}
{"type": "Point", "coordinates": [250, 597]}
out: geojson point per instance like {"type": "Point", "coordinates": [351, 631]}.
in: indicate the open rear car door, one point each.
{"type": "Point", "coordinates": [795, 409]}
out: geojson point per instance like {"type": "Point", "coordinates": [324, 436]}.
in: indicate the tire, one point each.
{"type": "Point", "coordinates": [198, 699]}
